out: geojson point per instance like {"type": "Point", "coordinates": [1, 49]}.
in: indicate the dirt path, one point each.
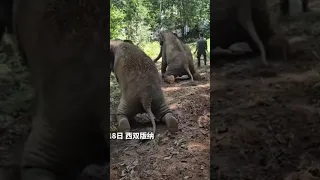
{"type": "Point", "coordinates": [266, 121]}
{"type": "Point", "coordinates": [184, 156]}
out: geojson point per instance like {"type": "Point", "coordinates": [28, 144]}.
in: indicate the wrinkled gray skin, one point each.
{"type": "Point", "coordinates": [176, 57]}
{"type": "Point", "coordinates": [140, 87]}
{"type": "Point", "coordinates": [234, 21]}
{"type": "Point", "coordinates": [67, 56]}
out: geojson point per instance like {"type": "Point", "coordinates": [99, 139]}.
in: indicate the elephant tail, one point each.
{"type": "Point", "coordinates": [152, 118]}
{"type": "Point", "coordinates": [159, 56]}
{"type": "Point", "coordinates": [146, 104]}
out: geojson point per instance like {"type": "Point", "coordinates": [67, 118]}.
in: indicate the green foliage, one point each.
{"type": "Point", "coordinates": [137, 20]}
{"type": "Point", "coordinates": [116, 19]}
{"type": "Point", "coordinates": [15, 92]}
{"type": "Point", "coordinates": [152, 49]}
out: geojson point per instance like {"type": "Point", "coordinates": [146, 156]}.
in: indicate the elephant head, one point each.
{"type": "Point", "coordinates": [162, 37]}
{"type": "Point", "coordinates": [112, 58]}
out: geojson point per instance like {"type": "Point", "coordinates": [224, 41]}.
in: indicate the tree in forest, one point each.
{"type": "Point", "coordinates": [137, 20]}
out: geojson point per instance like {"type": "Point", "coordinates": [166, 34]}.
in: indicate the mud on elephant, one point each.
{"type": "Point", "coordinates": [140, 86]}
{"type": "Point", "coordinates": [176, 58]}
{"type": "Point", "coordinates": [234, 21]}
{"type": "Point", "coordinates": [64, 44]}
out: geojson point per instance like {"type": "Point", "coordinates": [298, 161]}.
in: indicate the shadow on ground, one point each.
{"type": "Point", "coordinates": [265, 126]}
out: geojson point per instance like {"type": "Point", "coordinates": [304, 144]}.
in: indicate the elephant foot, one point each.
{"type": "Point", "coordinates": [123, 124]}
{"type": "Point", "coordinates": [197, 76]}
{"type": "Point", "coordinates": [169, 79]}
{"type": "Point", "coordinates": [171, 122]}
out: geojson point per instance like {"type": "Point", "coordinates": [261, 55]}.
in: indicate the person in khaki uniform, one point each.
{"type": "Point", "coordinates": [201, 49]}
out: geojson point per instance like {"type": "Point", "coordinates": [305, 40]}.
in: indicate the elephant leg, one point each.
{"type": "Point", "coordinates": [122, 119]}
{"type": "Point", "coordinates": [171, 122]}
{"type": "Point", "coordinates": [245, 19]}
{"type": "Point", "coordinates": [168, 78]}
{"type": "Point", "coordinates": [253, 46]}
{"type": "Point", "coordinates": [164, 62]}
{"type": "Point", "coordinates": [163, 113]}
{"type": "Point", "coordinates": [163, 67]}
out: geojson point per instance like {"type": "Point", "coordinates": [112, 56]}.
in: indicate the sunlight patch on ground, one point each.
{"type": "Point", "coordinates": [203, 85]}
{"type": "Point", "coordinates": [205, 95]}
{"type": "Point", "coordinates": [195, 146]}
{"type": "Point", "coordinates": [171, 89]}
{"type": "Point", "coordinates": [173, 106]}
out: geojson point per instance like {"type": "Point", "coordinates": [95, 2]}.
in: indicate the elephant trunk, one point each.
{"type": "Point", "coordinates": [159, 56]}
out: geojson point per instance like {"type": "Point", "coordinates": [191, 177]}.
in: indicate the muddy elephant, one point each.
{"type": "Point", "coordinates": [65, 46]}
{"type": "Point", "coordinates": [140, 86]}
{"type": "Point", "coordinates": [176, 57]}
{"type": "Point", "coordinates": [285, 6]}
{"type": "Point", "coordinates": [234, 21]}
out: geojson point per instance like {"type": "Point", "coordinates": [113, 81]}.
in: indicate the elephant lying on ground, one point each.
{"type": "Point", "coordinates": [64, 44]}
{"type": "Point", "coordinates": [140, 87]}
{"type": "Point", "coordinates": [234, 21]}
{"type": "Point", "coordinates": [176, 57]}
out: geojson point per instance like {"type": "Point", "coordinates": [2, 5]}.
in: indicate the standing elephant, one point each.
{"type": "Point", "coordinates": [234, 21]}
{"type": "Point", "coordinates": [176, 57]}
{"type": "Point", "coordinates": [285, 4]}
{"type": "Point", "coordinates": [64, 44]}
{"type": "Point", "coordinates": [140, 86]}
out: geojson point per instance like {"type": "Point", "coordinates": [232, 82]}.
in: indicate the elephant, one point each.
{"type": "Point", "coordinates": [129, 41]}
{"type": "Point", "coordinates": [234, 21]}
{"type": "Point", "coordinates": [176, 57]}
{"type": "Point", "coordinates": [64, 44]}
{"type": "Point", "coordinates": [285, 4]}
{"type": "Point", "coordinates": [140, 86]}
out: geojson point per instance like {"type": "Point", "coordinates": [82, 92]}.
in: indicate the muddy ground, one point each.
{"type": "Point", "coordinates": [182, 156]}
{"type": "Point", "coordinates": [265, 121]}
